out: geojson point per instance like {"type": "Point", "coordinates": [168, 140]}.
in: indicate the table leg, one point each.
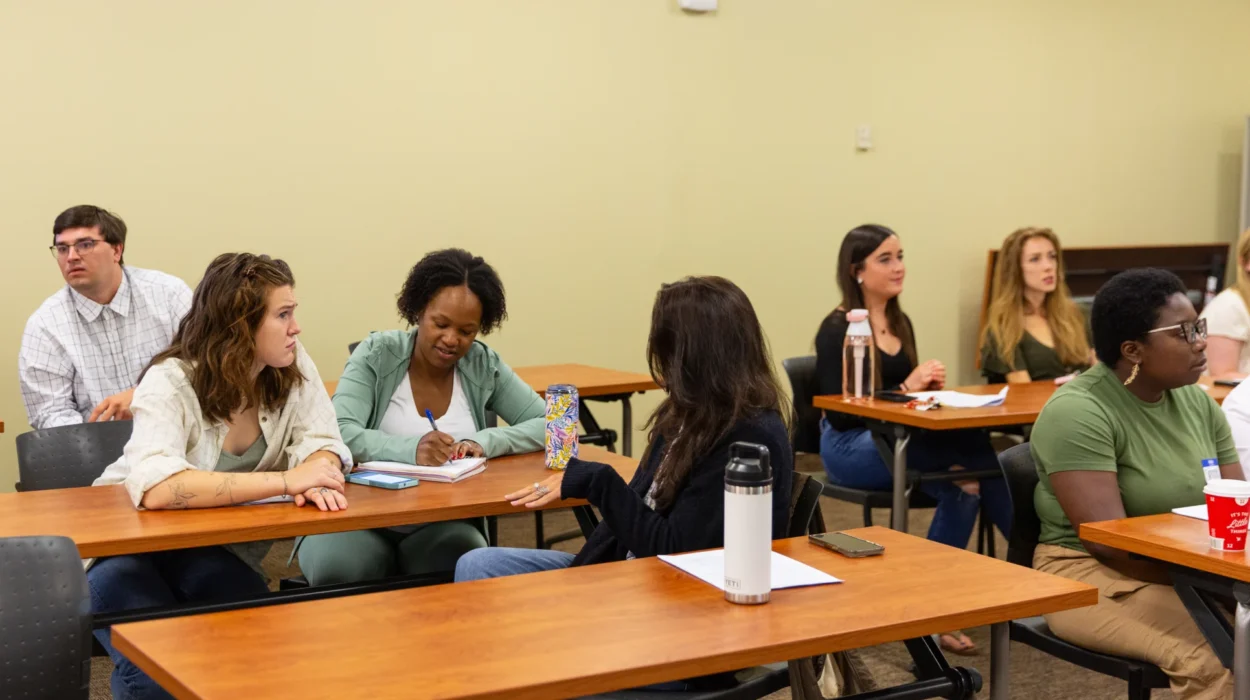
{"type": "Point", "coordinates": [1241, 647]}
{"type": "Point", "coordinates": [1000, 661]}
{"type": "Point", "coordinates": [627, 428]}
{"type": "Point", "coordinates": [898, 518]}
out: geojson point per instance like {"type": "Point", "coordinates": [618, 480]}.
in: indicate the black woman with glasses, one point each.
{"type": "Point", "coordinates": [84, 348]}
{"type": "Point", "coordinates": [1133, 436]}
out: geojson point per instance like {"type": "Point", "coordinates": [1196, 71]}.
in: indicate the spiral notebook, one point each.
{"type": "Point", "coordinates": [450, 472]}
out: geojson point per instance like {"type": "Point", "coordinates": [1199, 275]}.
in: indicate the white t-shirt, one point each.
{"type": "Point", "coordinates": [402, 418]}
{"type": "Point", "coordinates": [1228, 317]}
{"type": "Point", "coordinates": [1237, 410]}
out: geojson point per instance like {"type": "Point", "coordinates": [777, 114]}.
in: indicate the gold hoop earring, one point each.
{"type": "Point", "coordinates": [1132, 375]}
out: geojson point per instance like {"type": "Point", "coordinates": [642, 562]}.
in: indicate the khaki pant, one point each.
{"type": "Point", "coordinates": [1137, 620]}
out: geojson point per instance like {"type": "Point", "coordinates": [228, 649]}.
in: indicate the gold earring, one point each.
{"type": "Point", "coordinates": [1132, 375]}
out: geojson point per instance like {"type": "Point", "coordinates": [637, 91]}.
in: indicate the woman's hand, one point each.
{"type": "Point", "coordinates": [539, 494]}
{"type": "Point", "coordinates": [323, 498]}
{"type": "Point", "coordinates": [317, 472]}
{"type": "Point", "coordinates": [927, 376]}
{"type": "Point", "coordinates": [467, 448]}
{"type": "Point", "coordinates": [435, 449]}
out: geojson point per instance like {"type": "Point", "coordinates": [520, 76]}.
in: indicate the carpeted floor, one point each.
{"type": "Point", "coordinates": [1034, 675]}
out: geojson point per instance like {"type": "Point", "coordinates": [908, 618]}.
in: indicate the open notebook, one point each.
{"type": "Point", "coordinates": [451, 472]}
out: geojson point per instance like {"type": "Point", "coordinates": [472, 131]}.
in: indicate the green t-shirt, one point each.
{"type": "Point", "coordinates": [1093, 423]}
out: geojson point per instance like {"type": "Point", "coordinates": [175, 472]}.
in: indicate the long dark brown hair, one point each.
{"type": "Point", "coordinates": [707, 350]}
{"type": "Point", "coordinates": [217, 338]}
{"type": "Point", "coordinates": [858, 244]}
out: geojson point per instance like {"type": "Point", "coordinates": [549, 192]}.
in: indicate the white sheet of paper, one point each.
{"type": "Point", "coordinates": [1199, 511]}
{"type": "Point", "coordinates": [452, 471]}
{"type": "Point", "coordinates": [958, 399]}
{"type": "Point", "coordinates": [709, 566]}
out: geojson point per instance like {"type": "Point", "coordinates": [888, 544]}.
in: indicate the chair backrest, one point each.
{"type": "Point", "coordinates": [69, 455]}
{"type": "Point", "coordinates": [805, 515]}
{"type": "Point", "coordinates": [1021, 475]}
{"type": "Point", "coordinates": [802, 374]}
{"type": "Point", "coordinates": [45, 618]}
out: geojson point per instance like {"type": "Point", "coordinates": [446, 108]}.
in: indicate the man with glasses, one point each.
{"type": "Point", "coordinates": [84, 348]}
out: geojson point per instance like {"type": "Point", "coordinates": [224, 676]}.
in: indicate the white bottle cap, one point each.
{"type": "Point", "coordinates": [859, 325]}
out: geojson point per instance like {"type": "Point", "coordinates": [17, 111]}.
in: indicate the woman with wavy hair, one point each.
{"type": "Point", "coordinates": [1033, 330]}
{"type": "Point", "coordinates": [232, 412]}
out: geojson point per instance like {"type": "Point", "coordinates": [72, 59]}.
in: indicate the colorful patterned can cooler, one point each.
{"type": "Point", "coordinates": [561, 425]}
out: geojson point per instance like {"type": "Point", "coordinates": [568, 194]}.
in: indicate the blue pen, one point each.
{"type": "Point", "coordinates": [430, 416]}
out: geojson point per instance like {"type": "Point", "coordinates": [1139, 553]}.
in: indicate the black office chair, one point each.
{"type": "Point", "coordinates": [1021, 476]}
{"type": "Point", "coordinates": [802, 374]}
{"type": "Point", "coordinates": [45, 616]}
{"type": "Point", "coordinates": [69, 455]}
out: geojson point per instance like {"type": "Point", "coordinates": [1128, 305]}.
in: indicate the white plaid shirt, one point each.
{"type": "Point", "coordinates": [76, 353]}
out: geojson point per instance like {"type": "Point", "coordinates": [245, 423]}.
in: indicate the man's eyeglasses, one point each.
{"type": "Point", "coordinates": [1192, 330]}
{"type": "Point", "coordinates": [83, 247]}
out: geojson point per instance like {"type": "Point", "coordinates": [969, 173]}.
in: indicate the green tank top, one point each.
{"type": "Point", "coordinates": [252, 553]}
{"type": "Point", "coordinates": [246, 462]}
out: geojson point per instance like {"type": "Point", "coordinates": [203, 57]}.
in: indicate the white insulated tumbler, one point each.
{"type": "Point", "coordinates": [748, 524]}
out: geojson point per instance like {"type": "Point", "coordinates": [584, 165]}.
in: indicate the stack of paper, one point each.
{"type": "Point", "coordinates": [710, 567]}
{"type": "Point", "coordinates": [451, 472]}
{"type": "Point", "coordinates": [957, 399]}
{"type": "Point", "coordinates": [1198, 511]}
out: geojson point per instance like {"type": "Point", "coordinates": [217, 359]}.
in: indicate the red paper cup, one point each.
{"type": "Point", "coordinates": [1228, 512]}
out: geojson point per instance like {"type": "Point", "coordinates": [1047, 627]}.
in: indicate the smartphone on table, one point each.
{"type": "Point", "coordinates": [845, 544]}
{"type": "Point", "coordinates": [385, 481]}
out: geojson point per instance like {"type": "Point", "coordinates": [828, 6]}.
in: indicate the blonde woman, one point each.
{"type": "Point", "coordinates": [1228, 322]}
{"type": "Point", "coordinates": [1034, 330]}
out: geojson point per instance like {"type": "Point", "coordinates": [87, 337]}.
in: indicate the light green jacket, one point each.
{"type": "Point", "coordinates": [376, 369]}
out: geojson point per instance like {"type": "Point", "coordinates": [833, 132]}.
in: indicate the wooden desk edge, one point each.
{"type": "Point", "coordinates": [1083, 595]}
{"type": "Point", "coordinates": [326, 525]}
{"type": "Point", "coordinates": [921, 419]}
{"type": "Point", "coordinates": [166, 680]}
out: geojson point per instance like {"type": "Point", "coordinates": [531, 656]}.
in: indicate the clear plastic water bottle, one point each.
{"type": "Point", "coordinates": [859, 356]}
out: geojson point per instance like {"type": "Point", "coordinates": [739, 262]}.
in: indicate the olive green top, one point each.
{"type": "Point", "coordinates": [1041, 361]}
{"type": "Point", "coordinates": [252, 553]}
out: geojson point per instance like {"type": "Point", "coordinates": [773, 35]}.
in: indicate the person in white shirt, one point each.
{"type": "Point", "coordinates": [1228, 322]}
{"type": "Point", "coordinates": [1237, 410]}
{"type": "Point", "coordinates": [83, 349]}
{"type": "Point", "coordinates": [233, 411]}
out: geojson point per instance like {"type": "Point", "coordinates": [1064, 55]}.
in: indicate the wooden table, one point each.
{"type": "Point", "coordinates": [102, 521]}
{"type": "Point", "coordinates": [1023, 404]}
{"type": "Point", "coordinates": [1182, 543]}
{"type": "Point", "coordinates": [1021, 407]}
{"type": "Point", "coordinates": [587, 629]}
{"type": "Point", "coordinates": [592, 383]}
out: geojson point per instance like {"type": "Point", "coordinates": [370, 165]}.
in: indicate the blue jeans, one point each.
{"type": "Point", "coordinates": [851, 459]}
{"type": "Point", "coordinates": [493, 562]}
{"type": "Point", "coordinates": [136, 581]}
